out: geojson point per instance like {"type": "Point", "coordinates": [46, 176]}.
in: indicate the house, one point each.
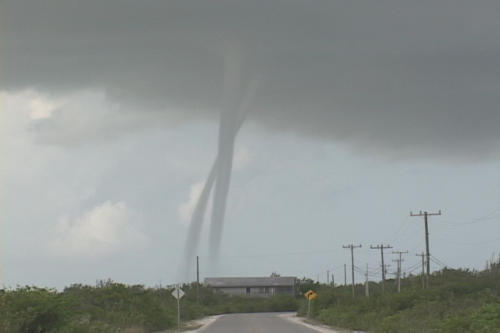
{"type": "Point", "coordinates": [254, 286]}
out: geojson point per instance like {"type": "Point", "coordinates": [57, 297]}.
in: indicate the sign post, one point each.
{"type": "Point", "coordinates": [178, 293]}
{"type": "Point", "coordinates": [309, 308]}
{"type": "Point", "coordinates": [310, 295]}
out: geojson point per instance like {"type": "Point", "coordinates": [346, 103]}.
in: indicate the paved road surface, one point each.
{"type": "Point", "coordinates": [255, 323]}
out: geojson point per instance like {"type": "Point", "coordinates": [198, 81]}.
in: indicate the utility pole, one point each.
{"type": "Point", "coordinates": [367, 287]}
{"type": "Point", "coordinates": [381, 247]}
{"type": "Point", "coordinates": [198, 279]}
{"type": "Point", "coordinates": [345, 275]}
{"type": "Point", "coordinates": [423, 268]}
{"type": "Point", "coordinates": [328, 277]}
{"type": "Point", "coordinates": [399, 261]}
{"type": "Point", "coordinates": [352, 247]}
{"type": "Point", "coordinates": [427, 253]}
{"type": "Point", "coordinates": [333, 280]}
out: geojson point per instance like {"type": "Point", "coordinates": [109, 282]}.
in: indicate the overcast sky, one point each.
{"type": "Point", "coordinates": [364, 111]}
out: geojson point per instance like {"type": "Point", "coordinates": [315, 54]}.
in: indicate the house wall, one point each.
{"type": "Point", "coordinates": [257, 291]}
{"type": "Point", "coordinates": [232, 291]}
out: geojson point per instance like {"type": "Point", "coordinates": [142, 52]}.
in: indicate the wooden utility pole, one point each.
{"type": "Point", "coordinates": [399, 261]}
{"type": "Point", "coordinates": [381, 247]}
{"type": "Point", "coordinates": [328, 277]}
{"type": "Point", "coordinates": [427, 253]}
{"type": "Point", "coordinates": [423, 268]}
{"type": "Point", "coordinates": [352, 247]}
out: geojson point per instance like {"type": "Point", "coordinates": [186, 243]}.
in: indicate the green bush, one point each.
{"type": "Point", "coordinates": [457, 301]}
{"type": "Point", "coordinates": [115, 307]}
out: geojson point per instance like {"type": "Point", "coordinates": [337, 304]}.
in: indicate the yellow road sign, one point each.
{"type": "Point", "coordinates": [310, 295]}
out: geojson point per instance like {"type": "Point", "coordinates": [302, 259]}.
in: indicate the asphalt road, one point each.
{"type": "Point", "coordinates": [255, 323]}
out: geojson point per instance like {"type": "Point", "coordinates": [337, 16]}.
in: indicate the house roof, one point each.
{"type": "Point", "coordinates": [251, 281]}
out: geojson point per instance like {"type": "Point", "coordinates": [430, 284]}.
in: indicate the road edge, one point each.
{"type": "Point", "coordinates": [205, 322]}
{"type": "Point", "coordinates": [299, 320]}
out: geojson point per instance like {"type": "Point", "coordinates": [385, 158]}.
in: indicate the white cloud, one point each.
{"type": "Point", "coordinates": [105, 229]}
{"type": "Point", "coordinates": [186, 209]}
{"type": "Point", "coordinates": [241, 158]}
{"type": "Point", "coordinates": [33, 104]}
{"type": "Point", "coordinates": [41, 107]}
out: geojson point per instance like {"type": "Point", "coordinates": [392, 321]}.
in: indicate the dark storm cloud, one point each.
{"type": "Point", "coordinates": [405, 77]}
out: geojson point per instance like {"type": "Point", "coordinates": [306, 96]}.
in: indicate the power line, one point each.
{"type": "Point", "coordinates": [412, 268]}
{"type": "Point", "coordinates": [439, 262]}
{"type": "Point", "coordinates": [400, 231]}
{"type": "Point", "coordinates": [360, 269]}
{"type": "Point", "coordinates": [485, 218]}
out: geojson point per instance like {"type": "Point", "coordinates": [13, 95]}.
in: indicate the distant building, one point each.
{"type": "Point", "coordinates": [254, 286]}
